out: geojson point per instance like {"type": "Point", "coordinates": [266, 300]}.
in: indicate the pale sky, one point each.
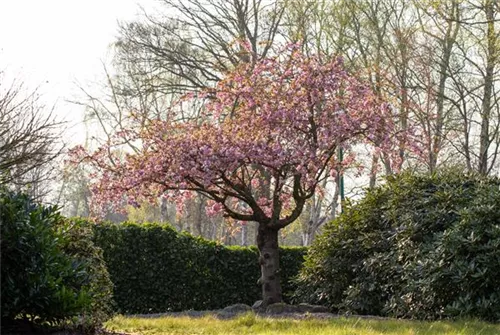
{"type": "Point", "coordinates": [55, 43]}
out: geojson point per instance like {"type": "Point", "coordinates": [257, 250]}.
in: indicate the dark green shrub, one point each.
{"type": "Point", "coordinates": [335, 259]}
{"type": "Point", "coordinates": [79, 244]}
{"type": "Point", "coordinates": [155, 269]}
{"type": "Point", "coordinates": [422, 247]}
{"type": "Point", "coordinates": [39, 281]}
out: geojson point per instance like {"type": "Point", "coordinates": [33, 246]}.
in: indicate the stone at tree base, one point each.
{"type": "Point", "coordinates": [307, 308]}
{"type": "Point", "coordinates": [258, 305]}
{"type": "Point", "coordinates": [237, 308]}
{"type": "Point", "coordinates": [302, 308]}
{"type": "Point", "coordinates": [281, 307]}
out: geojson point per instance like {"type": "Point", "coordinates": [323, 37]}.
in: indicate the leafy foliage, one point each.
{"type": "Point", "coordinates": [79, 237]}
{"type": "Point", "coordinates": [49, 272]}
{"type": "Point", "coordinates": [156, 269]}
{"type": "Point", "coordinates": [38, 279]}
{"type": "Point", "coordinates": [422, 247]}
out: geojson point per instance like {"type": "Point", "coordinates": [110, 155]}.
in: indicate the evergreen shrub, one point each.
{"type": "Point", "coordinates": [419, 246]}
{"type": "Point", "coordinates": [47, 280]}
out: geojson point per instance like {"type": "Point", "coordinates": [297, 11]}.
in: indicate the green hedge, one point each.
{"type": "Point", "coordinates": [420, 246]}
{"type": "Point", "coordinates": [79, 245]}
{"type": "Point", "coordinates": [156, 269]}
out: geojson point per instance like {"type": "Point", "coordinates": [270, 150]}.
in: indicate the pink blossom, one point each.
{"type": "Point", "coordinates": [275, 125]}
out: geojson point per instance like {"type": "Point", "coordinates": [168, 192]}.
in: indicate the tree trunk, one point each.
{"type": "Point", "coordinates": [163, 210]}
{"type": "Point", "coordinates": [267, 242]}
{"type": "Point", "coordinates": [491, 60]}
{"type": "Point", "coordinates": [244, 234]}
{"type": "Point", "coordinates": [373, 170]}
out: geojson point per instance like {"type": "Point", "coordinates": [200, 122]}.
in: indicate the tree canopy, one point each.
{"type": "Point", "coordinates": [285, 117]}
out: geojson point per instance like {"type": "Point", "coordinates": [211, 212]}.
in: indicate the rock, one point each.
{"type": "Point", "coordinates": [320, 309]}
{"type": "Point", "coordinates": [307, 308]}
{"type": "Point", "coordinates": [237, 308]}
{"type": "Point", "coordinates": [281, 307]}
{"type": "Point", "coordinates": [257, 304]}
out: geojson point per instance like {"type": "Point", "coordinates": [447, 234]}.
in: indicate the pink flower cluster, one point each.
{"type": "Point", "coordinates": [261, 145]}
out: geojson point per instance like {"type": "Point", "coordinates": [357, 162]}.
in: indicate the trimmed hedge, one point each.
{"type": "Point", "coordinates": [156, 269]}
{"type": "Point", "coordinates": [420, 246]}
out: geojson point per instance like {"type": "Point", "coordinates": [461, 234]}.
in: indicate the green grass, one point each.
{"type": "Point", "coordinates": [251, 324]}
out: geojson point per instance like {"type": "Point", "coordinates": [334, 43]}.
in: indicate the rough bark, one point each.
{"type": "Point", "coordinates": [443, 76]}
{"type": "Point", "coordinates": [491, 60]}
{"type": "Point", "coordinates": [267, 242]}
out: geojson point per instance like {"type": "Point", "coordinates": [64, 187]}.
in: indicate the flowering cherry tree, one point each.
{"type": "Point", "coordinates": [266, 137]}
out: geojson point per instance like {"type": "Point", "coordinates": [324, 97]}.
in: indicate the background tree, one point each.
{"type": "Point", "coordinates": [194, 45]}
{"type": "Point", "coordinates": [74, 193]}
{"type": "Point", "coordinates": [474, 93]}
{"type": "Point", "coordinates": [30, 139]}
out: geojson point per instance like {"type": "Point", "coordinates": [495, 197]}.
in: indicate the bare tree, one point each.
{"type": "Point", "coordinates": [198, 41]}
{"type": "Point", "coordinates": [474, 91]}
{"type": "Point", "coordinates": [74, 193]}
{"type": "Point", "coordinates": [30, 139]}
{"type": "Point", "coordinates": [489, 128]}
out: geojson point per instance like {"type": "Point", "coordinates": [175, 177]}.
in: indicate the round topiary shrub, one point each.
{"type": "Point", "coordinates": [420, 246]}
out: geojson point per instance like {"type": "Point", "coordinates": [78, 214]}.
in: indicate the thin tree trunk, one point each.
{"type": "Point", "coordinates": [267, 242]}
{"type": "Point", "coordinates": [244, 234]}
{"type": "Point", "coordinates": [163, 210]}
{"type": "Point", "coordinates": [199, 216]}
{"type": "Point", "coordinates": [488, 89]}
{"type": "Point", "coordinates": [374, 168]}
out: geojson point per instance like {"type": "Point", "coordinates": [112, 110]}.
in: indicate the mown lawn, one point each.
{"type": "Point", "coordinates": [251, 324]}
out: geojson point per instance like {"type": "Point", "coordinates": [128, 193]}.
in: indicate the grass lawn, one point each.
{"type": "Point", "coordinates": [251, 324]}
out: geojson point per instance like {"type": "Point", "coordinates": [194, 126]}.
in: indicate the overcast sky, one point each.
{"type": "Point", "coordinates": [55, 43]}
